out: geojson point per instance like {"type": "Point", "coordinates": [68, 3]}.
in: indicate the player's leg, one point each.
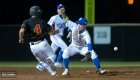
{"type": "Point", "coordinates": [59, 42]}
{"type": "Point", "coordinates": [54, 47]}
{"type": "Point", "coordinates": [37, 50]}
{"type": "Point", "coordinates": [94, 58]}
{"type": "Point", "coordinates": [50, 54]}
{"type": "Point", "coordinates": [59, 59]}
{"type": "Point", "coordinates": [43, 64]}
{"type": "Point", "coordinates": [48, 51]}
{"type": "Point", "coordinates": [40, 66]}
{"type": "Point", "coordinates": [69, 51]}
{"type": "Point", "coordinates": [62, 45]}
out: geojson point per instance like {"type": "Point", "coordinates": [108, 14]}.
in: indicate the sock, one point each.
{"type": "Point", "coordinates": [59, 58]}
{"type": "Point", "coordinates": [47, 67]}
{"type": "Point", "coordinates": [66, 63]}
{"type": "Point", "coordinates": [96, 63]}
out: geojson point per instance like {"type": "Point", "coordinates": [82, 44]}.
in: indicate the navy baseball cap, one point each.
{"type": "Point", "coordinates": [60, 6]}
{"type": "Point", "coordinates": [82, 21]}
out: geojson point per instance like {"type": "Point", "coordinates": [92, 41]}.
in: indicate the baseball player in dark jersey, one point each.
{"type": "Point", "coordinates": [37, 28]}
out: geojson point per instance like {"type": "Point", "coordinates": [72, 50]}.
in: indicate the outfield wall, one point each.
{"type": "Point", "coordinates": [126, 38]}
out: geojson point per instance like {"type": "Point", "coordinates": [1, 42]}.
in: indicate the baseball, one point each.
{"type": "Point", "coordinates": [90, 71]}
{"type": "Point", "coordinates": [115, 48]}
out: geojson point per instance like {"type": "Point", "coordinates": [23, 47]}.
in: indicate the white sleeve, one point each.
{"type": "Point", "coordinates": [87, 38]}
{"type": "Point", "coordinates": [70, 24]}
{"type": "Point", "coordinates": [51, 21]}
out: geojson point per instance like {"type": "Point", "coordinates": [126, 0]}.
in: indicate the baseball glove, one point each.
{"type": "Point", "coordinates": [87, 56]}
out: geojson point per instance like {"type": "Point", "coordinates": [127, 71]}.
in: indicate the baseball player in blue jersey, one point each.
{"type": "Point", "coordinates": [81, 44]}
{"type": "Point", "coordinates": [58, 23]}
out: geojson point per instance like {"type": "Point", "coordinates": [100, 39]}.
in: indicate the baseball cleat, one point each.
{"type": "Point", "coordinates": [50, 62]}
{"type": "Point", "coordinates": [40, 67]}
{"type": "Point", "coordinates": [102, 71]}
{"type": "Point", "coordinates": [58, 65]}
{"type": "Point", "coordinates": [65, 73]}
{"type": "Point", "coordinates": [54, 74]}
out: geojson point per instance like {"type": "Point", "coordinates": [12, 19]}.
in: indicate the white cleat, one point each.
{"type": "Point", "coordinates": [102, 71]}
{"type": "Point", "coordinates": [54, 74]}
{"type": "Point", "coordinates": [66, 72]}
{"type": "Point", "coordinates": [40, 67]}
{"type": "Point", "coordinates": [58, 65]}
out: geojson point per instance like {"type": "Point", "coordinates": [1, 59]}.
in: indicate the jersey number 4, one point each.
{"type": "Point", "coordinates": [37, 29]}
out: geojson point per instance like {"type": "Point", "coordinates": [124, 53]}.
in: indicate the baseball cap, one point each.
{"type": "Point", "coordinates": [82, 21]}
{"type": "Point", "coordinates": [60, 6]}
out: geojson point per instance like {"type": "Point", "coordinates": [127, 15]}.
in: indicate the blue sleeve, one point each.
{"type": "Point", "coordinates": [89, 47]}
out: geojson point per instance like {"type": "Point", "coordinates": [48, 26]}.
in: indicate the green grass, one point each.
{"type": "Point", "coordinates": [72, 64]}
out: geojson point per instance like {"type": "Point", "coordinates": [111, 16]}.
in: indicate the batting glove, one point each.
{"type": "Point", "coordinates": [69, 35]}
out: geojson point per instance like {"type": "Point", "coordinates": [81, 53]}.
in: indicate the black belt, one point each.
{"type": "Point", "coordinates": [37, 42]}
{"type": "Point", "coordinates": [32, 43]}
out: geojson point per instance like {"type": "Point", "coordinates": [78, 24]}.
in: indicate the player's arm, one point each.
{"type": "Point", "coordinates": [68, 23]}
{"type": "Point", "coordinates": [51, 30]}
{"type": "Point", "coordinates": [55, 32]}
{"type": "Point", "coordinates": [21, 33]}
{"type": "Point", "coordinates": [65, 17]}
{"type": "Point", "coordinates": [71, 26]}
{"type": "Point", "coordinates": [51, 23]}
{"type": "Point", "coordinates": [89, 45]}
{"type": "Point", "coordinates": [88, 41]}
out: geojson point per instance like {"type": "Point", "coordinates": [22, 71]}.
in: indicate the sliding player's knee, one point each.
{"type": "Point", "coordinates": [36, 55]}
{"type": "Point", "coordinates": [66, 53]}
{"type": "Point", "coordinates": [93, 54]}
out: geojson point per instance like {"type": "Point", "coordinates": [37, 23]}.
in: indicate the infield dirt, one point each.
{"type": "Point", "coordinates": [117, 73]}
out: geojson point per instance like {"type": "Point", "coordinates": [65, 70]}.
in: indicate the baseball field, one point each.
{"type": "Point", "coordinates": [78, 71]}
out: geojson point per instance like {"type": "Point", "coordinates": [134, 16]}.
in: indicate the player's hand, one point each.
{"type": "Point", "coordinates": [21, 40]}
{"type": "Point", "coordinates": [54, 32]}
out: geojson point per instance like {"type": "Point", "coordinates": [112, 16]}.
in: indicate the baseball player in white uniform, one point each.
{"type": "Point", "coordinates": [59, 24]}
{"type": "Point", "coordinates": [81, 44]}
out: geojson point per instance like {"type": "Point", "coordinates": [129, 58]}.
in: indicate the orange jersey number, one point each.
{"type": "Point", "coordinates": [37, 29]}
